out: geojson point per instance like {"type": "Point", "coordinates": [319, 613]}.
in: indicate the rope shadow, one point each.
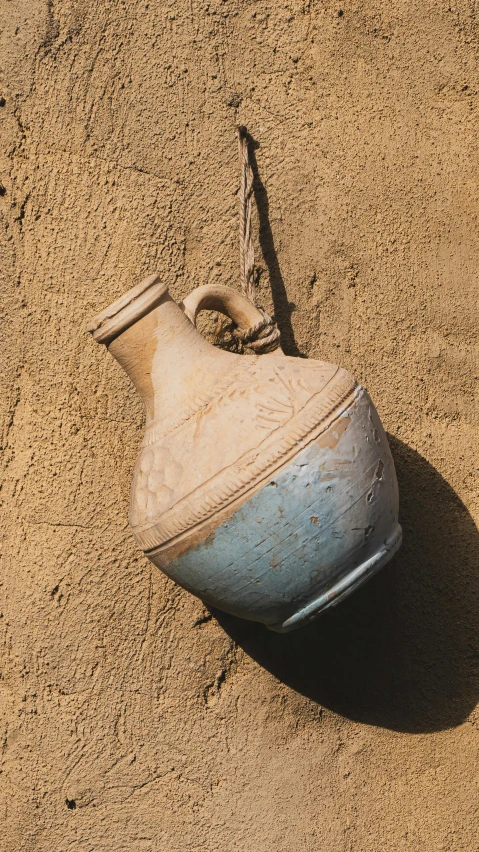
{"type": "Point", "coordinates": [283, 308]}
{"type": "Point", "coordinates": [403, 651]}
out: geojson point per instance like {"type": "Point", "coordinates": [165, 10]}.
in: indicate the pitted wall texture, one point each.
{"type": "Point", "coordinates": [131, 718]}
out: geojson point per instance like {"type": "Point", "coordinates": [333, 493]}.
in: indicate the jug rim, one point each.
{"type": "Point", "coordinates": [127, 309]}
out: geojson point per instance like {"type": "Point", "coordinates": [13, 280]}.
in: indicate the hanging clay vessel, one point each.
{"type": "Point", "coordinates": [264, 484]}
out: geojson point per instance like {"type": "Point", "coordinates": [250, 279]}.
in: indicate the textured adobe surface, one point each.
{"type": "Point", "coordinates": [130, 717]}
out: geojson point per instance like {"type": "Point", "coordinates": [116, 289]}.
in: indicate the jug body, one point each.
{"type": "Point", "coordinates": [264, 484]}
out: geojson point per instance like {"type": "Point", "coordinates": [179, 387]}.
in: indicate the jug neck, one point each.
{"type": "Point", "coordinates": [157, 346]}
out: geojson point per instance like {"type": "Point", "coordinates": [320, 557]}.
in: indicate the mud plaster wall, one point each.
{"type": "Point", "coordinates": [131, 717]}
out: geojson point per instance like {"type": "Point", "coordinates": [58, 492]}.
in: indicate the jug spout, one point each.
{"type": "Point", "coordinates": [155, 343]}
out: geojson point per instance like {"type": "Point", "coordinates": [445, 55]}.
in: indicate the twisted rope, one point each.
{"type": "Point", "coordinates": [262, 337]}
{"type": "Point", "coordinates": [248, 284]}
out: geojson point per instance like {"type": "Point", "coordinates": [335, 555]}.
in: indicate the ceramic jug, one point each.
{"type": "Point", "coordinates": [264, 484]}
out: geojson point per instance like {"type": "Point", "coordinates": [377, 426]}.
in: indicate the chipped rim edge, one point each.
{"type": "Point", "coordinates": [344, 587]}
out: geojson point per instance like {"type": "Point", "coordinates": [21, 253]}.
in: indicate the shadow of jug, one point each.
{"type": "Point", "coordinates": [402, 652]}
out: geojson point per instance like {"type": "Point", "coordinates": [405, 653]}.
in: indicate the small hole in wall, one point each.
{"type": "Point", "coordinates": [71, 804]}
{"type": "Point", "coordinates": [2, 102]}
{"type": "Point", "coordinates": [2, 190]}
{"type": "Point", "coordinates": [340, 13]}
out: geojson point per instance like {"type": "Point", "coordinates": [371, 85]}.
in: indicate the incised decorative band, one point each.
{"type": "Point", "coordinates": [258, 464]}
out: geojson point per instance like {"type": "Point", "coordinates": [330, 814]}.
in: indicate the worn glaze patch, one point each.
{"type": "Point", "coordinates": [320, 518]}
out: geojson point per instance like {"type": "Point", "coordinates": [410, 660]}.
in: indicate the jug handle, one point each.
{"type": "Point", "coordinates": [245, 315]}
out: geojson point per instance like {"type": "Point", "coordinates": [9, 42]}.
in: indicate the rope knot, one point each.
{"type": "Point", "coordinates": [262, 337]}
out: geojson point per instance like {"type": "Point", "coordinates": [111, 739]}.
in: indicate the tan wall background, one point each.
{"type": "Point", "coordinates": [131, 718]}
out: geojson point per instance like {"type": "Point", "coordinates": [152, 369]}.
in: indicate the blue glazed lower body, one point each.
{"type": "Point", "coordinates": [309, 535]}
{"type": "Point", "coordinates": [352, 581]}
